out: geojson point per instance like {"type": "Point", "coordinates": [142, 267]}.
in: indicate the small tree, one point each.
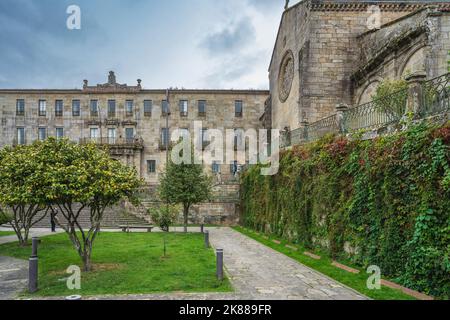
{"type": "Point", "coordinates": [185, 184]}
{"type": "Point", "coordinates": [20, 185]}
{"type": "Point", "coordinates": [164, 216]}
{"type": "Point", "coordinates": [83, 177]}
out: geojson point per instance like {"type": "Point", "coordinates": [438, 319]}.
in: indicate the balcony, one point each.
{"type": "Point", "coordinates": [134, 143]}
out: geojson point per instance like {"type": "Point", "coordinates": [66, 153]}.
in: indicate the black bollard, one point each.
{"type": "Point", "coordinates": [202, 228]}
{"type": "Point", "coordinates": [219, 257]}
{"type": "Point", "coordinates": [206, 238]}
{"type": "Point", "coordinates": [34, 247]}
{"type": "Point", "coordinates": [33, 267]}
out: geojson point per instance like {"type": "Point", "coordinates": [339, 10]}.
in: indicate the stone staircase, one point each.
{"type": "Point", "coordinates": [113, 217]}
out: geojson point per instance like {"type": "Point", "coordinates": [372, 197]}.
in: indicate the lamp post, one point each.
{"type": "Point", "coordinates": [167, 139]}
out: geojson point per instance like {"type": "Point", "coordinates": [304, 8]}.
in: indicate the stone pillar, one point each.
{"type": "Point", "coordinates": [286, 137]}
{"type": "Point", "coordinates": [340, 117]}
{"type": "Point", "coordinates": [414, 103]}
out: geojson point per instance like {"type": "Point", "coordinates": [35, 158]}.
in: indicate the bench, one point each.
{"type": "Point", "coordinates": [128, 228]}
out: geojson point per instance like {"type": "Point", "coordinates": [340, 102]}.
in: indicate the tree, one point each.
{"type": "Point", "coordinates": [184, 184]}
{"type": "Point", "coordinates": [20, 189]}
{"type": "Point", "coordinates": [164, 216]}
{"type": "Point", "coordinates": [83, 177]}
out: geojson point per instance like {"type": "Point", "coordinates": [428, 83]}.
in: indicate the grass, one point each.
{"type": "Point", "coordinates": [127, 264]}
{"type": "Point", "coordinates": [7, 233]}
{"type": "Point", "coordinates": [357, 282]}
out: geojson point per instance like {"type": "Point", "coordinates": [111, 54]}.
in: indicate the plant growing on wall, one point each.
{"type": "Point", "coordinates": [384, 202]}
{"type": "Point", "coordinates": [391, 97]}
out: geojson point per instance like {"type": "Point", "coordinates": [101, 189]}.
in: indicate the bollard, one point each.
{"type": "Point", "coordinates": [206, 238]}
{"type": "Point", "coordinates": [34, 247]}
{"type": "Point", "coordinates": [73, 298]}
{"type": "Point", "coordinates": [33, 267]}
{"type": "Point", "coordinates": [219, 255]}
{"type": "Point", "coordinates": [33, 275]}
{"type": "Point", "coordinates": [202, 228]}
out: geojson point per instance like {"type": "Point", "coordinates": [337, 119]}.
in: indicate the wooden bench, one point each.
{"type": "Point", "coordinates": [129, 228]}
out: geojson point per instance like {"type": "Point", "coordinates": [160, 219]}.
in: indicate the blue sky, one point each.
{"type": "Point", "coordinates": [166, 43]}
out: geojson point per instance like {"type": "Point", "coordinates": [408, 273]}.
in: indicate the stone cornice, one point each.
{"type": "Point", "coordinates": [141, 92]}
{"type": "Point", "coordinates": [407, 6]}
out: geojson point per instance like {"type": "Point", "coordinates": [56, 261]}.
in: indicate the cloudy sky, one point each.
{"type": "Point", "coordinates": [166, 43]}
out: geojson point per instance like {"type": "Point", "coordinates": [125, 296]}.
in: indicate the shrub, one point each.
{"type": "Point", "coordinates": [164, 216]}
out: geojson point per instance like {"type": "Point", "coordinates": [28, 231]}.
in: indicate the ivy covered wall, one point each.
{"type": "Point", "coordinates": [382, 202]}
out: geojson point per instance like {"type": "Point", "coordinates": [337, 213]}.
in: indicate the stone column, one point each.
{"type": "Point", "coordinates": [340, 117]}
{"type": "Point", "coordinates": [414, 103]}
{"type": "Point", "coordinates": [304, 126]}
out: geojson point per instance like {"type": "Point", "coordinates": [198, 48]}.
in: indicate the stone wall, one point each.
{"type": "Point", "coordinates": [323, 37]}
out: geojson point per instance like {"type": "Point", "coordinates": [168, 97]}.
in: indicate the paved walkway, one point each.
{"type": "Point", "coordinates": [13, 277]}
{"type": "Point", "coordinates": [258, 272]}
{"type": "Point", "coordinates": [38, 232]}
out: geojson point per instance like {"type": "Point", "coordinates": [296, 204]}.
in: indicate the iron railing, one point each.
{"type": "Point", "coordinates": [377, 113]}
{"type": "Point", "coordinates": [436, 96]}
{"type": "Point", "coordinates": [385, 111]}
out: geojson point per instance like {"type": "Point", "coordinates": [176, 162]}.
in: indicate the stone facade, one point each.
{"type": "Point", "coordinates": [332, 48]}
{"type": "Point", "coordinates": [134, 133]}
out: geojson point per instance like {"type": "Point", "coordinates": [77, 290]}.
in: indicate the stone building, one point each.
{"type": "Point", "coordinates": [131, 120]}
{"type": "Point", "coordinates": [330, 52]}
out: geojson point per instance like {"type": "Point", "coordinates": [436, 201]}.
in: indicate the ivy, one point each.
{"type": "Point", "coordinates": [383, 202]}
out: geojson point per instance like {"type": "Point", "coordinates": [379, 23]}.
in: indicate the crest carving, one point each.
{"type": "Point", "coordinates": [286, 76]}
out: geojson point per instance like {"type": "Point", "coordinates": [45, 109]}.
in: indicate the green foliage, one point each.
{"type": "Point", "coordinates": [186, 184]}
{"type": "Point", "coordinates": [164, 216]}
{"type": "Point", "coordinates": [391, 97]}
{"type": "Point", "coordinates": [384, 202]}
{"type": "Point", "coordinates": [5, 217]}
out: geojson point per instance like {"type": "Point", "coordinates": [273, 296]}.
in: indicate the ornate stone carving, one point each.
{"type": "Point", "coordinates": [112, 86]}
{"type": "Point", "coordinates": [286, 76]}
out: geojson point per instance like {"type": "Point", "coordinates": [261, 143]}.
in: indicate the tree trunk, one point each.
{"type": "Point", "coordinates": [86, 257]}
{"type": "Point", "coordinates": [186, 217]}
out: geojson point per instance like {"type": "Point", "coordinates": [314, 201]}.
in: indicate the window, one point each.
{"type": "Point", "coordinates": [164, 137]}
{"type": "Point", "coordinates": [201, 108]}
{"type": "Point", "coordinates": [59, 133]}
{"type": "Point", "coordinates": [42, 108]}
{"type": "Point", "coordinates": [42, 134]}
{"type": "Point", "coordinates": [129, 135]}
{"type": "Point", "coordinates": [129, 108]}
{"type": "Point", "coordinates": [94, 108]}
{"type": "Point", "coordinates": [215, 167]}
{"type": "Point", "coordinates": [148, 106]}
{"type": "Point", "coordinates": [20, 107]}
{"type": "Point", "coordinates": [165, 107]}
{"type": "Point", "coordinates": [59, 107]}
{"type": "Point", "coordinates": [184, 133]}
{"type": "Point", "coordinates": [20, 136]}
{"type": "Point", "coordinates": [76, 108]}
{"type": "Point", "coordinates": [238, 138]}
{"type": "Point", "coordinates": [238, 108]}
{"type": "Point", "coordinates": [94, 134]}
{"type": "Point", "coordinates": [111, 108]}
{"type": "Point", "coordinates": [151, 166]}
{"type": "Point", "coordinates": [183, 108]}
{"type": "Point", "coordinates": [111, 135]}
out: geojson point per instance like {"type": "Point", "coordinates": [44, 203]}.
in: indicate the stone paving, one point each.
{"type": "Point", "coordinates": [13, 277]}
{"type": "Point", "coordinates": [257, 272]}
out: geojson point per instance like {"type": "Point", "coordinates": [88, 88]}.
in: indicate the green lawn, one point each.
{"type": "Point", "coordinates": [355, 281]}
{"type": "Point", "coordinates": [127, 264]}
{"type": "Point", "coordinates": [7, 233]}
